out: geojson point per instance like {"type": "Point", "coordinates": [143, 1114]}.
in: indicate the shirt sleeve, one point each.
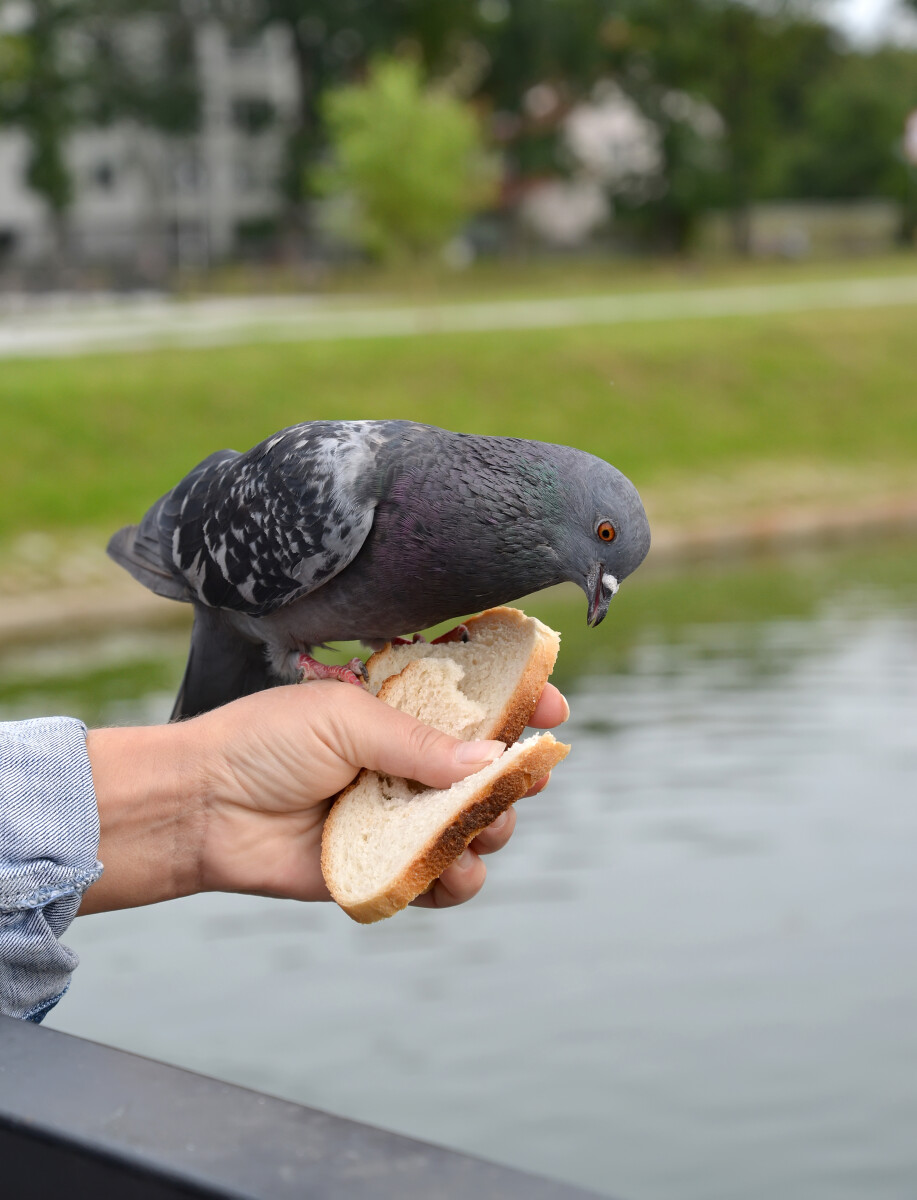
{"type": "Point", "coordinates": [49, 837]}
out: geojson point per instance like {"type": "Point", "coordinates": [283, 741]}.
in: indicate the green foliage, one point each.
{"type": "Point", "coordinates": [752, 64]}
{"type": "Point", "coordinates": [801, 116]}
{"type": "Point", "coordinates": [408, 164]}
{"type": "Point", "coordinates": [534, 41]}
{"type": "Point", "coordinates": [38, 99]}
{"type": "Point", "coordinates": [150, 79]}
{"type": "Point", "coordinates": [331, 41]}
{"type": "Point", "coordinates": [854, 125]}
{"type": "Point", "coordinates": [14, 67]}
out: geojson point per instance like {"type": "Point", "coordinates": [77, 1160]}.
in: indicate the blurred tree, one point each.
{"type": "Point", "coordinates": [754, 65]}
{"type": "Point", "coordinates": [854, 124]}
{"type": "Point", "coordinates": [90, 62]}
{"type": "Point", "coordinates": [142, 63]}
{"type": "Point", "coordinates": [718, 79]}
{"type": "Point", "coordinates": [849, 142]}
{"type": "Point", "coordinates": [408, 165]}
{"type": "Point", "coordinates": [332, 41]}
{"type": "Point", "coordinates": [540, 58]}
{"type": "Point", "coordinates": [13, 66]}
{"type": "Point", "coordinates": [535, 42]}
{"type": "Point", "coordinates": [39, 99]}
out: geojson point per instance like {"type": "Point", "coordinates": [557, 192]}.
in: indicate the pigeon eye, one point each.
{"type": "Point", "coordinates": [606, 531]}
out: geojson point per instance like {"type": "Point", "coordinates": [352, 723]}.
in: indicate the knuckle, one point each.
{"type": "Point", "coordinates": [422, 742]}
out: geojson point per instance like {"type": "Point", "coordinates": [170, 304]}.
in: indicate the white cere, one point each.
{"type": "Point", "coordinates": [609, 582]}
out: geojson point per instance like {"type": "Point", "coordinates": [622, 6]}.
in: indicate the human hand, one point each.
{"type": "Point", "coordinates": [241, 793]}
{"type": "Point", "coordinates": [289, 751]}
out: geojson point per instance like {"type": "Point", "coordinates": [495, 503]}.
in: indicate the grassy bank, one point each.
{"type": "Point", "coordinates": [710, 417]}
{"type": "Point", "coordinates": [134, 675]}
{"type": "Point", "coordinates": [527, 278]}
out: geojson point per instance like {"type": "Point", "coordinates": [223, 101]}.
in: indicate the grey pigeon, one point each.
{"type": "Point", "coordinates": [338, 530]}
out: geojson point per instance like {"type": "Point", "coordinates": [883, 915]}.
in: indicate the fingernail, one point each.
{"type": "Point", "coordinates": [467, 753]}
{"type": "Point", "coordinates": [497, 825]}
{"type": "Point", "coordinates": [566, 715]}
{"type": "Point", "coordinates": [464, 860]}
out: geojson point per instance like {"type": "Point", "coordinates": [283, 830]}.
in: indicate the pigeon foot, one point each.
{"type": "Point", "coordinates": [353, 672]}
{"type": "Point", "coordinates": [399, 641]}
{"type": "Point", "coordinates": [458, 634]}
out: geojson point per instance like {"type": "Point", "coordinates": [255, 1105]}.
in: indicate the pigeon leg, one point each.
{"type": "Point", "coordinates": [353, 672]}
{"type": "Point", "coordinates": [458, 634]}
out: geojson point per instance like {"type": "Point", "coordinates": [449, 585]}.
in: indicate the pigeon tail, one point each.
{"type": "Point", "coordinates": [222, 666]}
{"type": "Point", "coordinates": [133, 548]}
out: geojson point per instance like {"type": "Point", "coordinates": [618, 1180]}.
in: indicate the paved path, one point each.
{"type": "Point", "coordinates": [88, 326]}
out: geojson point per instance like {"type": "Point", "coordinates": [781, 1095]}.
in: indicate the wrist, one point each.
{"type": "Point", "coordinates": [150, 794]}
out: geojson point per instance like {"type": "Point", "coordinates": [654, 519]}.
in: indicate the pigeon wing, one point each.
{"type": "Point", "coordinates": [255, 531]}
{"type": "Point", "coordinates": [144, 550]}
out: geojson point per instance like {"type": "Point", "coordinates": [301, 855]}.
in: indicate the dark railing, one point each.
{"type": "Point", "coordinates": [82, 1120]}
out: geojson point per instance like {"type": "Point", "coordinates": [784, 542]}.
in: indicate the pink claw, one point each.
{"type": "Point", "coordinates": [458, 634]}
{"type": "Point", "coordinates": [354, 671]}
{"type": "Point", "coordinates": [399, 641]}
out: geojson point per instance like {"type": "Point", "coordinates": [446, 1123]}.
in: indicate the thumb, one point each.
{"type": "Point", "coordinates": [394, 743]}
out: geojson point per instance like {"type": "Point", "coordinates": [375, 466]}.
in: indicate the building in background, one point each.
{"type": "Point", "coordinates": [157, 202]}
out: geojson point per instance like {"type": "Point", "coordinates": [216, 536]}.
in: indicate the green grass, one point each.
{"type": "Point", "coordinates": [707, 416]}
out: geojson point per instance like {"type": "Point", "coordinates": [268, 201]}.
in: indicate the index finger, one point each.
{"type": "Point", "coordinates": [552, 709]}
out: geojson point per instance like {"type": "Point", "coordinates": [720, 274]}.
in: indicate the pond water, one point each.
{"type": "Point", "coordinates": [692, 972]}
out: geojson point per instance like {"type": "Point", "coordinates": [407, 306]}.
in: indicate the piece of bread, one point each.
{"type": "Point", "coordinates": [386, 840]}
{"type": "Point", "coordinates": [506, 660]}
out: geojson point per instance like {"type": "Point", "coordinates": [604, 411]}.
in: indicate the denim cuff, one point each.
{"type": "Point", "coordinates": [49, 836]}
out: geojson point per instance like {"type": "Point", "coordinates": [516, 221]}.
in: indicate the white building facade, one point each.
{"type": "Point", "coordinates": [160, 201]}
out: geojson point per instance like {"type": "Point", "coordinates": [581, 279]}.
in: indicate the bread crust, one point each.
{"type": "Point", "coordinates": [482, 808]}
{"type": "Point", "coordinates": [518, 711]}
{"type": "Point", "coordinates": [485, 805]}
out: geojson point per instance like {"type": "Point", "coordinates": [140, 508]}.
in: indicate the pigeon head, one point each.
{"type": "Point", "coordinates": [606, 536]}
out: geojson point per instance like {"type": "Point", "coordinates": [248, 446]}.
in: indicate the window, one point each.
{"type": "Point", "coordinates": [103, 176]}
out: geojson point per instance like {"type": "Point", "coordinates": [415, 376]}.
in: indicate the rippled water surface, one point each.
{"type": "Point", "coordinates": [692, 972]}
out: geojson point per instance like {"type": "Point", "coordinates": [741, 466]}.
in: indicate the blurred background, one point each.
{"type": "Point", "coordinates": [145, 142]}
{"type": "Point", "coordinates": [677, 233]}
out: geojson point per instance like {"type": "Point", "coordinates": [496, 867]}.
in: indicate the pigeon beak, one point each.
{"type": "Point", "coordinates": [601, 587]}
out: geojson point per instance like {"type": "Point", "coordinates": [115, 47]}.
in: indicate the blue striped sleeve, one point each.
{"type": "Point", "coordinates": [49, 836]}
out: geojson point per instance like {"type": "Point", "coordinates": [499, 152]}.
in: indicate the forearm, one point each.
{"type": "Point", "coordinates": [151, 813]}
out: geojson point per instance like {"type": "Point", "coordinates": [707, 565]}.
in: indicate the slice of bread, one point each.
{"type": "Point", "coordinates": [386, 840]}
{"type": "Point", "coordinates": [506, 662]}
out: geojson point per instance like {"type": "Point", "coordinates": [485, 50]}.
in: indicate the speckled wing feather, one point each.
{"type": "Point", "coordinates": [252, 532]}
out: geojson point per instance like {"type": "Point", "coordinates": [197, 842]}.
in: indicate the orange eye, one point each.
{"type": "Point", "coordinates": [606, 531]}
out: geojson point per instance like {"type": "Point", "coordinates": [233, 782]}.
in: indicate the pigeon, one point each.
{"type": "Point", "coordinates": [370, 531]}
